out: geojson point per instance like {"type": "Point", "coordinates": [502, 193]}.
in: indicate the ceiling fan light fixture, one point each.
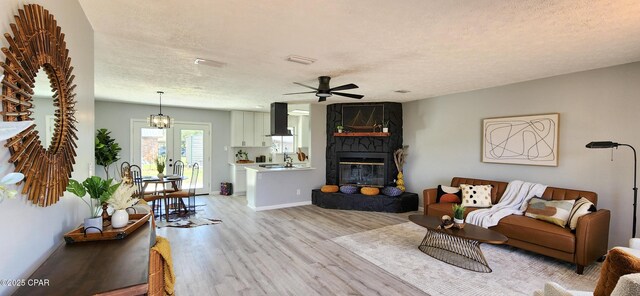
{"type": "Point", "coordinates": [323, 95]}
{"type": "Point", "coordinates": [300, 60]}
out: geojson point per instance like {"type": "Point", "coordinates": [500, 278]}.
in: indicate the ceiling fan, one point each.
{"type": "Point", "coordinates": [324, 91]}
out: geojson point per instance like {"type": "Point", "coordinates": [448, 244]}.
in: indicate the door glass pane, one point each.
{"type": "Point", "coordinates": [153, 145]}
{"type": "Point", "coordinates": [192, 151]}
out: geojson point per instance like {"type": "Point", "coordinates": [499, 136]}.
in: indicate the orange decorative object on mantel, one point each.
{"type": "Point", "coordinates": [360, 134]}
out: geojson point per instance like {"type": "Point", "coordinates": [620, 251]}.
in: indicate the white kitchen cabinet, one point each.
{"type": "Point", "coordinates": [242, 129]}
{"type": "Point", "coordinates": [238, 175]}
{"type": "Point", "coordinates": [261, 129]}
{"type": "Point", "coordinates": [266, 127]}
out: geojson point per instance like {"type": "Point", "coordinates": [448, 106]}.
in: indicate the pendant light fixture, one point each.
{"type": "Point", "coordinates": [160, 120]}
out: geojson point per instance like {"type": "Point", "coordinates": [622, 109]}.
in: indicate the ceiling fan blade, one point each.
{"type": "Point", "coordinates": [298, 93]}
{"type": "Point", "coordinates": [311, 87]}
{"type": "Point", "coordinates": [353, 96]}
{"type": "Point", "coordinates": [344, 87]}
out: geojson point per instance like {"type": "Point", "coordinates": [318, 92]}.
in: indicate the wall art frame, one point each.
{"type": "Point", "coordinates": [524, 140]}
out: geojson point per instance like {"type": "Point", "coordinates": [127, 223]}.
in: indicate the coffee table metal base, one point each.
{"type": "Point", "coordinates": [460, 252]}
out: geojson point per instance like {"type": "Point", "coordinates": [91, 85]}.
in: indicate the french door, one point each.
{"type": "Point", "coordinates": [189, 142]}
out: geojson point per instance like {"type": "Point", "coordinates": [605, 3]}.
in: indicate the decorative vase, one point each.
{"type": "Point", "coordinates": [458, 222]}
{"type": "Point", "coordinates": [119, 219]}
{"type": "Point", "coordinates": [385, 129]}
{"type": "Point", "coordinates": [93, 225]}
{"type": "Point", "coordinates": [339, 131]}
{"type": "Point", "coordinates": [160, 175]}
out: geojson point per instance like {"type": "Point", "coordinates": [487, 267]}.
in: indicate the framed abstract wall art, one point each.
{"type": "Point", "coordinates": [528, 139]}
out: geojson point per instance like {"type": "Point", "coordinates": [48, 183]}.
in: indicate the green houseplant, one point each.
{"type": "Point", "coordinates": [99, 190]}
{"type": "Point", "coordinates": [106, 150]}
{"type": "Point", "coordinates": [160, 164]}
{"type": "Point", "coordinates": [340, 128]}
{"type": "Point", "coordinates": [458, 214]}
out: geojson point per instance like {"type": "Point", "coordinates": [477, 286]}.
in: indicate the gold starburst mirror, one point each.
{"type": "Point", "coordinates": [37, 48]}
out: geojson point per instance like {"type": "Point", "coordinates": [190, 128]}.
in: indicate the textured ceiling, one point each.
{"type": "Point", "coordinates": [427, 47]}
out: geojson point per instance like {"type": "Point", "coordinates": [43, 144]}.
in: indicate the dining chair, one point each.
{"type": "Point", "coordinates": [125, 173]}
{"type": "Point", "coordinates": [190, 193]}
{"type": "Point", "coordinates": [136, 177]}
{"type": "Point", "coordinates": [178, 171]}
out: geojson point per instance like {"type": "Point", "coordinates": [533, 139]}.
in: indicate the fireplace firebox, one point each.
{"type": "Point", "coordinates": [362, 169]}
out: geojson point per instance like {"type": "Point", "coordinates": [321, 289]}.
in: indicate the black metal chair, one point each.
{"type": "Point", "coordinates": [190, 193]}
{"type": "Point", "coordinates": [125, 173]}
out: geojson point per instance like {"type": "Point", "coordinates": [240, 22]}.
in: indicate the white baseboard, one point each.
{"type": "Point", "coordinates": [421, 209]}
{"type": "Point", "coordinates": [281, 206]}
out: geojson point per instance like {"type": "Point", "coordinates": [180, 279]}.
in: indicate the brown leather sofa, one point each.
{"type": "Point", "coordinates": [588, 243]}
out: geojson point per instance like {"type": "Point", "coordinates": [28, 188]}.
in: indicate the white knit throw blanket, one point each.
{"type": "Point", "coordinates": [513, 201]}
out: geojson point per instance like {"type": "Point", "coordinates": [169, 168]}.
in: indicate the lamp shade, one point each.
{"type": "Point", "coordinates": [602, 144]}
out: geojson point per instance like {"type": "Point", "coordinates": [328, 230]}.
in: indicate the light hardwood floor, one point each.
{"type": "Point", "coordinates": [278, 252]}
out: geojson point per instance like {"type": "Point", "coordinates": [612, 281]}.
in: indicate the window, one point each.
{"type": "Point", "coordinates": [284, 144]}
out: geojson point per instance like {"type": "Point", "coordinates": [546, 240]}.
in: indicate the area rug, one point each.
{"type": "Point", "coordinates": [187, 222]}
{"type": "Point", "coordinates": [515, 272]}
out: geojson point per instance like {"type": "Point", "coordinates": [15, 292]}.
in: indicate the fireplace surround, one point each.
{"type": "Point", "coordinates": [363, 160]}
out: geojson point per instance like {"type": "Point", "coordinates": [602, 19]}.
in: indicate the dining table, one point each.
{"type": "Point", "coordinates": [173, 180]}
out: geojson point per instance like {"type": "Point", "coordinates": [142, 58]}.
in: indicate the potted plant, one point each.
{"type": "Point", "coordinates": [99, 191]}
{"type": "Point", "coordinates": [120, 200]}
{"type": "Point", "coordinates": [242, 156]}
{"type": "Point", "coordinates": [385, 126]}
{"type": "Point", "coordinates": [160, 163]}
{"type": "Point", "coordinates": [458, 215]}
{"type": "Point", "coordinates": [339, 128]}
{"type": "Point", "coordinates": [106, 150]}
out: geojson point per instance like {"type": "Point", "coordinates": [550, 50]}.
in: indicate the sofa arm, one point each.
{"type": "Point", "coordinates": [429, 196]}
{"type": "Point", "coordinates": [592, 236]}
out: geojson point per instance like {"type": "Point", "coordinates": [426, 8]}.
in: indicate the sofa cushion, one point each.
{"type": "Point", "coordinates": [552, 211]}
{"type": "Point", "coordinates": [448, 194]}
{"type": "Point", "coordinates": [582, 207]}
{"type": "Point", "coordinates": [537, 232]}
{"type": "Point", "coordinates": [476, 195]}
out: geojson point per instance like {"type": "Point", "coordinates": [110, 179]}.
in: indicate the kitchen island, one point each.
{"type": "Point", "coordinates": [279, 187]}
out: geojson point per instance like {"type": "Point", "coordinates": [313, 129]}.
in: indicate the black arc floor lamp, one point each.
{"type": "Point", "coordinates": [609, 144]}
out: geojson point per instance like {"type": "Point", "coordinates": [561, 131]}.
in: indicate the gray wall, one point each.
{"type": "Point", "coordinates": [116, 117]}
{"type": "Point", "coordinates": [31, 233]}
{"type": "Point", "coordinates": [444, 134]}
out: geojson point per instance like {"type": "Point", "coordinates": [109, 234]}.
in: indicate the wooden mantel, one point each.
{"type": "Point", "coordinates": [368, 134]}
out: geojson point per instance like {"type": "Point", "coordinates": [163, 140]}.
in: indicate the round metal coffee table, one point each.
{"type": "Point", "coordinates": [459, 247]}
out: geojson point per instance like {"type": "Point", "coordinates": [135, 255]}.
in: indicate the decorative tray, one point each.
{"type": "Point", "coordinates": [108, 233]}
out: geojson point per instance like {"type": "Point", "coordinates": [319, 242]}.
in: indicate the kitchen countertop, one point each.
{"type": "Point", "coordinates": [268, 170]}
{"type": "Point", "coordinates": [259, 163]}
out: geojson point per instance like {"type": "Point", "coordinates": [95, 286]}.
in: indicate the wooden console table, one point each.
{"type": "Point", "coordinates": [115, 267]}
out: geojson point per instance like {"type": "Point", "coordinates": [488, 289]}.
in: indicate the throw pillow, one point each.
{"type": "Point", "coordinates": [617, 264]}
{"type": "Point", "coordinates": [582, 207]}
{"type": "Point", "coordinates": [448, 194]}
{"type": "Point", "coordinates": [370, 191]}
{"type": "Point", "coordinates": [391, 191]}
{"type": "Point", "coordinates": [477, 196]}
{"type": "Point", "coordinates": [553, 211]}
{"type": "Point", "coordinates": [348, 189]}
{"type": "Point", "coordinates": [329, 188]}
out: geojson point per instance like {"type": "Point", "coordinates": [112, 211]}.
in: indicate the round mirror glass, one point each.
{"type": "Point", "coordinates": [43, 110]}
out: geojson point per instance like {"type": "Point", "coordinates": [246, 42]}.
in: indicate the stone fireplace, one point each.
{"type": "Point", "coordinates": [363, 158]}
{"type": "Point", "coordinates": [360, 148]}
